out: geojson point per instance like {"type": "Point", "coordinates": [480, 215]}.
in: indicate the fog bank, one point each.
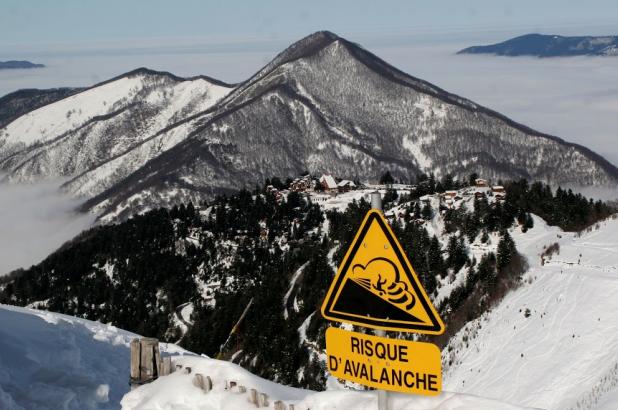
{"type": "Point", "coordinates": [35, 219]}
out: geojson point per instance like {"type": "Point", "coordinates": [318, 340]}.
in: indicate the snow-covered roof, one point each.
{"type": "Point", "coordinates": [329, 181]}
{"type": "Point", "coordinates": [346, 182]}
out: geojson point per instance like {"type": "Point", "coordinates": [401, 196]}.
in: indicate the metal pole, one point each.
{"type": "Point", "coordinates": [376, 200]}
{"type": "Point", "coordinates": [376, 203]}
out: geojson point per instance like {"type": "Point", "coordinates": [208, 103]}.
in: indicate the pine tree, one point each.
{"type": "Point", "coordinates": [434, 258]}
{"type": "Point", "coordinates": [506, 250]}
{"type": "Point", "coordinates": [387, 179]}
{"type": "Point", "coordinates": [427, 213]}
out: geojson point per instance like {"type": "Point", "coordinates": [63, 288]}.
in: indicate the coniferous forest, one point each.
{"type": "Point", "coordinates": [280, 254]}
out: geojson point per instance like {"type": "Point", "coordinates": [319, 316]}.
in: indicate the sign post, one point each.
{"type": "Point", "coordinates": [376, 203]}
{"type": "Point", "coordinates": [377, 287]}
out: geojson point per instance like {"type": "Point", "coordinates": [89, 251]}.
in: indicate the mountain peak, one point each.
{"type": "Point", "coordinates": [306, 46]}
{"type": "Point", "coordinates": [321, 35]}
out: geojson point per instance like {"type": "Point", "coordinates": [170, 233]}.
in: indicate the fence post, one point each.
{"type": "Point", "coordinates": [263, 400]}
{"type": "Point", "coordinates": [148, 357]}
{"type": "Point", "coordinates": [198, 381]}
{"type": "Point", "coordinates": [253, 397]}
{"type": "Point", "coordinates": [135, 361]}
{"type": "Point", "coordinates": [166, 366]}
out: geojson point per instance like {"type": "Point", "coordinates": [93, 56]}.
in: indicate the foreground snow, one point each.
{"type": "Point", "coordinates": [176, 392]}
{"type": "Point", "coordinates": [565, 353]}
{"type": "Point", "coordinates": [54, 361]}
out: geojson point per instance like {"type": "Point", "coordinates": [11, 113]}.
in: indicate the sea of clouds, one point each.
{"type": "Point", "coordinates": [35, 219]}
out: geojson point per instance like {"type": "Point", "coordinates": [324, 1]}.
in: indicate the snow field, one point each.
{"type": "Point", "coordinates": [553, 342]}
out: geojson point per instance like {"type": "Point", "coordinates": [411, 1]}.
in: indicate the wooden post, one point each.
{"type": "Point", "coordinates": [178, 367]}
{"type": "Point", "coordinates": [242, 389]}
{"type": "Point", "coordinates": [135, 359]}
{"type": "Point", "coordinates": [146, 361]}
{"type": "Point", "coordinates": [198, 381]}
{"type": "Point", "coordinates": [166, 366]}
{"type": "Point", "coordinates": [263, 400]}
{"type": "Point", "coordinates": [207, 384]}
{"type": "Point", "coordinates": [253, 397]}
{"type": "Point", "coordinates": [187, 370]}
{"type": "Point", "coordinates": [279, 405]}
{"type": "Point", "coordinates": [157, 358]}
{"type": "Point", "coordinates": [148, 367]}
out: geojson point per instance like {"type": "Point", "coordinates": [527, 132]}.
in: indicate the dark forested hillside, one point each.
{"type": "Point", "coordinates": [279, 253]}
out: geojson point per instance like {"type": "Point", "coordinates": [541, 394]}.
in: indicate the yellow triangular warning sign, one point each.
{"type": "Point", "coordinates": [376, 286]}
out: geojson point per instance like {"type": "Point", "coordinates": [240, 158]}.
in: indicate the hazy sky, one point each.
{"type": "Point", "coordinates": [47, 21]}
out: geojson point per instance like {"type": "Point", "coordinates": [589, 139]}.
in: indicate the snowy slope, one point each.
{"type": "Point", "coordinates": [88, 129]}
{"type": "Point", "coordinates": [565, 354]}
{"type": "Point", "coordinates": [176, 392]}
{"type": "Point", "coordinates": [55, 119]}
{"type": "Point", "coordinates": [49, 360]}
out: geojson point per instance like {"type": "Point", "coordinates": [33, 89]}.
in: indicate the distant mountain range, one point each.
{"type": "Point", "coordinates": [544, 45]}
{"type": "Point", "coordinates": [14, 64]}
{"type": "Point", "coordinates": [147, 139]}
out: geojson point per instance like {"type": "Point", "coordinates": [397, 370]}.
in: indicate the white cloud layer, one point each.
{"type": "Point", "coordinates": [35, 219]}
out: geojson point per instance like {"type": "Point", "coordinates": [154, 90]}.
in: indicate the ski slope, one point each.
{"type": "Point", "coordinates": [564, 355]}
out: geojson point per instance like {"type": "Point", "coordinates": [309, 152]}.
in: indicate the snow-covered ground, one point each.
{"type": "Point", "coordinates": [564, 355]}
{"type": "Point", "coordinates": [54, 361]}
{"type": "Point", "coordinates": [177, 392]}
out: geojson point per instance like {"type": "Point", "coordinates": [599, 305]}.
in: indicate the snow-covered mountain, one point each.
{"type": "Point", "coordinates": [324, 104]}
{"type": "Point", "coordinates": [90, 128]}
{"type": "Point", "coordinates": [50, 360]}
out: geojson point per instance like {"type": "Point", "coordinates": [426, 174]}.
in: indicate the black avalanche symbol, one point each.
{"type": "Point", "coordinates": [381, 276]}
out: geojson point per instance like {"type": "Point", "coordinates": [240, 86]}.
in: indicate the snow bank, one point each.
{"type": "Point", "coordinates": [49, 360]}
{"type": "Point", "coordinates": [176, 392]}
